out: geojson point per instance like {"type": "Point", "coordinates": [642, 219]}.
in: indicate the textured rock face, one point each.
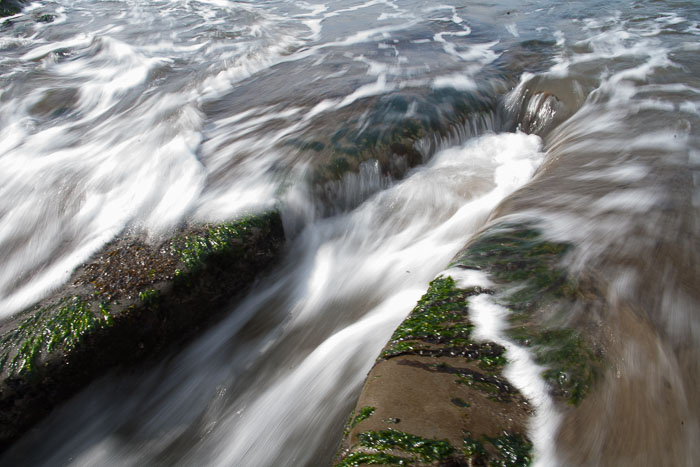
{"type": "Point", "coordinates": [390, 134]}
{"type": "Point", "coordinates": [526, 266]}
{"type": "Point", "coordinates": [132, 300]}
{"type": "Point", "coordinates": [438, 397]}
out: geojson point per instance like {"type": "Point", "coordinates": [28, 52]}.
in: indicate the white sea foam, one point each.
{"type": "Point", "coordinates": [512, 28]}
{"type": "Point", "coordinates": [372, 89]}
{"type": "Point", "coordinates": [624, 173]}
{"type": "Point", "coordinates": [490, 321]}
{"type": "Point", "coordinates": [630, 200]}
{"type": "Point", "coordinates": [325, 367]}
{"type": "Point", "coordinates": [468, 277]}
{"type": "Point", "coordinates": [82, 40]}
{"type": "Point", "coordinates": [418, 226]}
{"type": "Point", "coordinates": [456, 81]}
{"type": "Point", "coordinates": [123, 155]}
{"type": "Point", "coordinates": [146, 113]}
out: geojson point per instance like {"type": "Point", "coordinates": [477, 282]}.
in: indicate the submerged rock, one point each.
{"type": "Point", "coordinates": [10, 7]}
{"type": "Point", "coordinates": [130, 301]}
{"type": "Point", "coordinates": [542, 112]}
{"type": "Point", "coordinates": [526, 267]}
{"type": "Point", "coordinates": [134, 299]}
{"type": "Point", "coordinates": [436, 395]}
{"type": "Point", "coordinates": [381, 138]}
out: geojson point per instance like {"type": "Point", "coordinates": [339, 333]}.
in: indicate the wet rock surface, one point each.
{"type": "Point", "coordinates": [10, 7]}
{"type": "Point", "coordinates": [131, 301]}
{"type": "Point", "coordinates": [434, 389]}
{"type": "Point", "coordinates": [437, 396]}
{"type": "Point", "coordinates": [134, 298]}
{"type": "Point", "coordinates": [388, 135]}
{"type": "Point", "coordinates": [540, 295]}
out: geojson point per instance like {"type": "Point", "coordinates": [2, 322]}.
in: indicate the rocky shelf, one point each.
{"type": "Point", "coordinates": [436, 396]}
{"type": "Point", "coordinates": [130, 301]}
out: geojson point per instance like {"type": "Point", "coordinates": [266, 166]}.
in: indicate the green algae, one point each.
{"type": "Point", "coordinates": [427, 450]}
{"type": "Point", "coordinates": [348, 423]}
{"type": "Point", "coordinates": [572, 365]}
{"type": "Point", "coordinates": [150, 297]}
{"type": "Point", "coordinates": [513, 450]}
{"type": "Point", "coordinates": [459, 402]}
{"type": "Point", "coordinates": [62, 325]}
{"type": "Point", "coordinates": [492, 362]}
{"type": "Point", "coordinates": [65, 323]}
{"type": "Point", "coordinates": [50, 351]}
{"type": "Point", "coordinates": [519, 257]}
{"type": "Point", "coordinates": [106, 315]}
{"type": "Point", "coordinates": [9, 8]}
{"type": "Point", "coordinates": [385, 134]}
{"type": "Point", "coordinates": [195, 249]}
{"type": "Point", "coordinates": [507, 450]}
{"type": "Point", "coordinates": [363, 414]}
{"type": "Point", "coordinates": [440, 316]}
{"type": "Point", "coordinates": [362, 458]}
{"type": "Point", "coordinates": [400, 348]}
{"type": "Point", "coordinates": [337, 167]}
{"type": "Point", "coordinates": [492, 390]}
{"type": "Point", "coordinates": [474, 450]}
{"type": "Point", "coordinates": [514, 253]}
{"type": "Point", "coordinates": [45, 18]}
{"type": "Point", "coordinates": [388, 130]}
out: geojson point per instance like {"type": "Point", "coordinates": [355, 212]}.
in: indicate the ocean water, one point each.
{"type": "Point", "coordinates": [136, 116]}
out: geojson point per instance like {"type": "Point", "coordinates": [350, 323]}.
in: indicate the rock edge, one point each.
{"type": "Point", "coordinates": [130, 301]}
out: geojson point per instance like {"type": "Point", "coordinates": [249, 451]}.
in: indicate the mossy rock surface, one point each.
{"type": "Point", "coordinates": [527, 268]}
{"type": "Point", "coordinates": [388, 129]}
{"type": "Point", "coordinates": [10, 7]}
{"type": "Point", "coordinates": [131, 301]}
{"type": "Point", "coordinates": [436, 396]}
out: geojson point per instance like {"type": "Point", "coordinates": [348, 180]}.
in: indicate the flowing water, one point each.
{"type": "Point", "coordinates": [136, 115]}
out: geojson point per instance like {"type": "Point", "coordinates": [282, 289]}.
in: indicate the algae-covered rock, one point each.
{"type": "Point", "coordinates": [527, 268]}
{"type": "Point", "coordinates": [437, 396]}
{"type": "Point", "coordinates": [130, 301]}
{"type": "Point", "coordinates": [398, 131]}
{"type": "Point", "coordinates": [10, 7]}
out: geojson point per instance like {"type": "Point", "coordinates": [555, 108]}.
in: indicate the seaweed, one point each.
{"type": "Point", "coordinates": [150, 298]}
{"type": "Point", "coordinates": [380, 458]}
{"type": "Point", "coordinates": [363, 414]}
{"type": "Point", "coordinates": [61, 325]}
{"type": "Point", "coordinates": [518, 256]}
{"type": "Point", "coordinates": [439, 317]}
{"type": "Point", "coordinates": [507, 450]}
{"type": "Point", "coordinates": [572, 365]}
{"type": "Point", "coordinates": [426, 450]}
{"type": "Point", "coordinates": [513, 450]}
{"type": "Point", "coordinates": [195, 249]}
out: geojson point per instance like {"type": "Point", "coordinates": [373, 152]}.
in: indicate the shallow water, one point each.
{"type": "Point", "coordinates": [130, 115]}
